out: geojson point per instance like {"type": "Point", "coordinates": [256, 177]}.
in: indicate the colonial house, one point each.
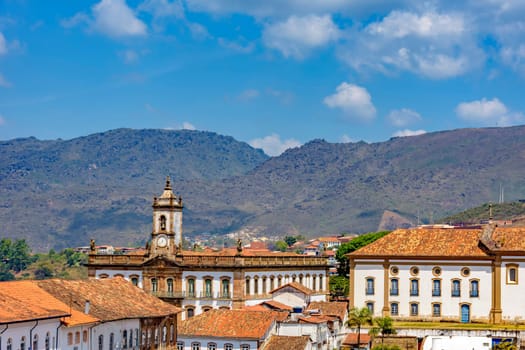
{"type": "Point", "coordinates": [438, 274]}
{"type": "Point", "coordinates": [76, 315]}
{"type": "Point", "coordinates": [228, 330]}
{"type": "Point", "coordinates": [201, 281]}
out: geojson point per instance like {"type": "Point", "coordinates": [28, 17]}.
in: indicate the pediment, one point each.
{"type": "Point", "coordinates": [160, 261]}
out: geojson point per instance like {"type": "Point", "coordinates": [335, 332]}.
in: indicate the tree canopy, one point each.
{"type": "Point", "coordinates": [353, 245]}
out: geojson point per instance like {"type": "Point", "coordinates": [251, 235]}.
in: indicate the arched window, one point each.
{"type": "Point", "coordinates": [212, 346]}
{"type": "Point", "coordinates": [272, 282]}
{"type": "Point", "coordinates": [163, 223]}
{"type": "Point", "coordinates": [190, 311]}
{"type": "Point", "coordinates": [135, 280]}
{"type": "Point", "coordinates": [314, 282]}
{"type": "Point", "coordinates": [264, 284]}
{"type": "Point", "coordinates": [46, 342]}
{"type": "Point", "coordinates": [279, 281]}
{"type": "Point", "coordinates": [321, 286]}
{"type": "Point", "coordinates": [191, 287]}
{"type": "Point", "coordinates": [77, 337]}
{"type": "Point", "coordinates": [247, 286]}
{"type": "Point", "coordinates": [180, 345]}
{"type": "Point", "coordinates": [154, 285]}
{"type": "Point", "coordinates": [101, 342]}
{"type": "Point", "coordinates": [124, 339]}
{"type": "Point", "coordinates": [111, 341]}
{"type": "Point", "coordinates": [35, 342]}
{"type": "Point", "coordinates": [169, 285]}
{"type": "Point", "coordinates": [228, 346]}
{"type": "Point", "coordinates": [208, 288]}
{"type": "Point", "coordinates": [225, 289]}
{"type": "Point", "coordinates": [164, 334]}
{"type": "Point", "coordinates": [84, 336]}
{"type": "Point", "coordinates": [512, 274]}
{"type": "Point", "coordinates": [9, 344]}
{"type": "Point", "coordinates": [256, 285]}
{"type": "Point", "coordinates": [195, 346]}
{"type": "Point", "coordinates": [70, 338]}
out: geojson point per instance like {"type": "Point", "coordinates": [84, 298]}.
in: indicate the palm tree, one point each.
{"type": "Point", "coordinates": [506, 345]}
{"type": "Point", "coordinates": [358, 317]}
{"type": "Point", "coordinates": [383, 325]}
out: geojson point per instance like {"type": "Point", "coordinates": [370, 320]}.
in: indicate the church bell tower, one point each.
{"type": "Point", "coordinates": [166, 236]}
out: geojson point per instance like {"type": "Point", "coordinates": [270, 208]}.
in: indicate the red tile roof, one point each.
{"type": "Point", "coordinates": [277, 305]}
{"type": "Point", "coordinates": [26, 300]}
{"type": "Point", "coordinates": [245, 324]}
{"type": "Point", "coordinates": [351, 339]}
{"type": "Point", "coordinates": [281, 342]}
{"type": "Point", "coordinates": [110, 298]}
{"type": "Point", "coordinates": [425, 243]}
{"type": "Point", "coordinates": [23, 301]}
{"type": "Point", "coordinates": [330, 308]}
{"type": "Point", "coordinates": [294, 285]}
{"type": "Point", "coordinates": [511, 239]}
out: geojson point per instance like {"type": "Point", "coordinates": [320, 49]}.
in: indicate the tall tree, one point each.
{"type": "Point", "coordinates": [358, 317]}
{"type": "Point", "coordinates": [382, 326]}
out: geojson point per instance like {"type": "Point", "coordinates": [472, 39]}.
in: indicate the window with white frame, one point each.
{"type": "Point", "coordinates": [456, 288]}
{"type": "Point", "coordinates": [180, 345]}
{"type": "Point", "coordinates": [369, 286]}
{"type": "Point", "coordinates": [212, 346]}
{"type": "Point", "coordinates": [474, 288]}
{"type": "Point", "coordinates": [414, 287]}
{"type": "Point", "coordinates": [195, 346]}
{"type": "Point", "coordinates": [245, 347]}
{"type": "Point", "coordinates": [414, 309]}
{"type": "Point", "coordinates": [512, 274]}
{"type": "Point", "coordinates": [394, 286]}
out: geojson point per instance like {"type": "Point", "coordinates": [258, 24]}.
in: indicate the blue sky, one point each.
{"type": "Point", "coordinates": [274, 73]}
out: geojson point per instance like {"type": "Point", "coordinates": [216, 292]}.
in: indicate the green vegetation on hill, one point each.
{"type": "Point", "coordinates": [19, 263]}
{"type": "Point", "coordinates": [59, 194]}
{"type": "Point", "coordinates": [500, 211]}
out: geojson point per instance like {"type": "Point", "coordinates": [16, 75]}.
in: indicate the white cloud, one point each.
{"type": "Point", "coordinates": [109, 17]}
{"type": "Point", "coordinates": [272, 144]}
{"type": "Point", "coordinates": [248, 94]}
{"type": "Point", "coordinates": [77, 19]}
{"type": "Point", "coordinates": [284, 97]}
{"type": "Point", "coordinates": [354, 100]}
{"type": "Point", "coordinates": [408, 132]}
{"type": "Point", "coordinates": [3, 44]}
{"type": "Point", "coordinates": [403, 117]}
{"type": "Point", "coordinates": [346, 139]}
{"type": "Point", "coordinates": [187, 126]}
{"type": "Point", "coordinates": [116, 19]}
{"type": "Point", "coordinates": [297, 36]}
{"type": "Point", "coordinates": [514, 56]}
{"type": "Point", "coordinates": [4, 82]}
{"type": "Point", "coordinates": [436, 45]}
{"type": "Point", "coordinates": [488, 112]}
{"type": "Point", "coordinates": [162, 8]}
{"type": "Point", "coordinates": [401, 24]}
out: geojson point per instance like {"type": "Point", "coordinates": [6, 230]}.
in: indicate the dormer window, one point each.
{"type": "Point", "coordinates": [163, 223]}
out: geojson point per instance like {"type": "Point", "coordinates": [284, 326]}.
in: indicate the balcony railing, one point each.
{"type": "Point", "coordinates": [436, 292]}
{"type": "Point", "coordinates": [369, 291]}
{"type": "Point", "coordinates": [474, 293]}
{"type": "Point", "coordinates": [414, 292]}
{"type": "Point", "coordinates": [456, 293]}
{"type": "Point", "coordinates": [394, 291]}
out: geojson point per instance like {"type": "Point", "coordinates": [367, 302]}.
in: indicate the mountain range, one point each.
{"type": "Point", "coordinates": [61, 193]}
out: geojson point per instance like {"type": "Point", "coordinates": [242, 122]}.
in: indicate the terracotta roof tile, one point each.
{"type": "Point", "coordinates": [314, 319]}
{"type": "Point", "coordinates": [351, 339]}
{"type": "Point", "coordinates": [458, 243]}
{"type": "Point", "coordinates": [277, 305]}
{"type": "Point", "coordinates": [245, 324]}
{"type": "Point", "coordinates": [330, 308]}
{"type": "Point", "coordinates": [280, 342]}
{"type": "Point", "coordinates": [510, 238]}
{"type": "Point", "coordinates": [110, 298]}
{"type": "Point", "coordinates": [23, 300]}
{"type": "Point", "coordinates": [294, 285]}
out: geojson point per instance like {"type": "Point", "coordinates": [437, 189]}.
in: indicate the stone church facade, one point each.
{"type": "Point", "coordinates": [200, 281]}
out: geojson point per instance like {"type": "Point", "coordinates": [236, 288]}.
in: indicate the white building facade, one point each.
{"type": "Point", "coordinates": [460, 275]}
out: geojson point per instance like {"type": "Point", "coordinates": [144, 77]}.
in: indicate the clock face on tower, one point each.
{"type": "Point", "coordinates": [162, 241]}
